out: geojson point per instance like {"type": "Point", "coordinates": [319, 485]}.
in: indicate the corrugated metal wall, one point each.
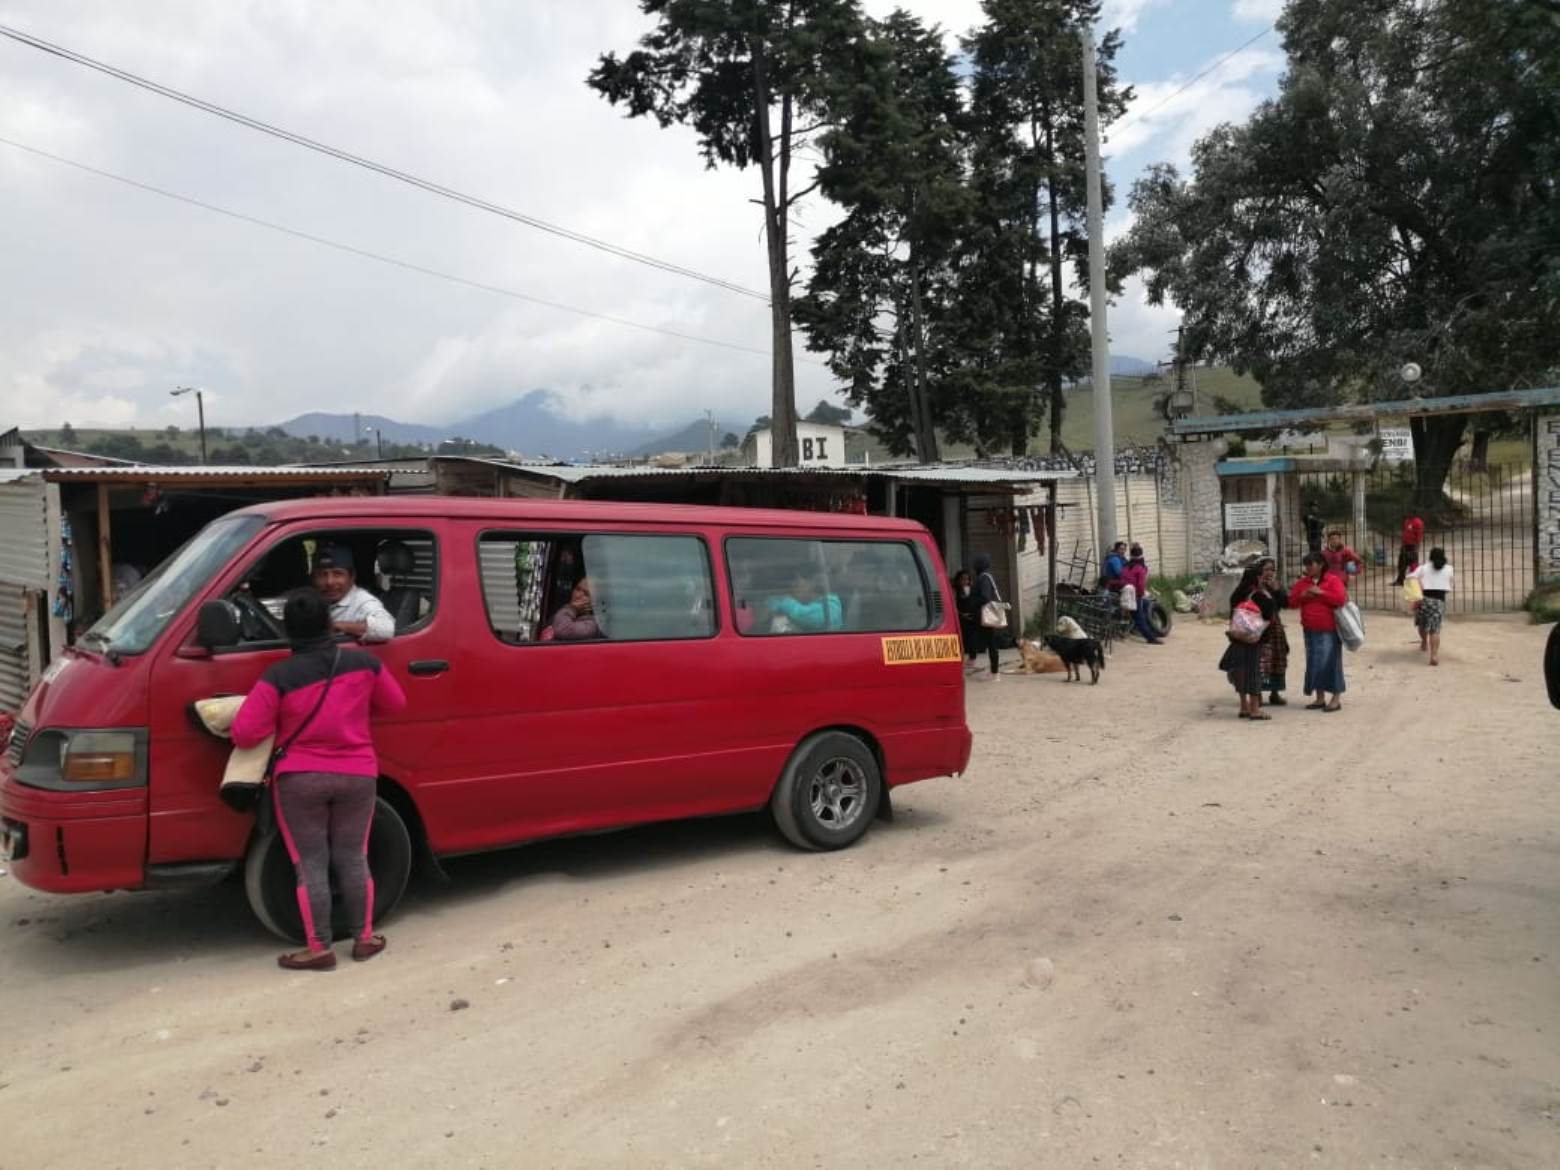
{"type": "Point", "coordinates": [1155, 519]}
{"type": "Point", "coordinates": [24, 566]}
{"type": "Point", "coordinates": [15, 675]}
{"type": "Point", "coordinates": [24, 535]}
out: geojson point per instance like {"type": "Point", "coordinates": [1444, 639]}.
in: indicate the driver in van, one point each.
{"type": "Point", "coordinates": [353, 610]}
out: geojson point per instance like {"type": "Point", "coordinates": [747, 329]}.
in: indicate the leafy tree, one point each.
{"type": "Point", "coordinates": [892, 161]}
{"type": "Point", "coordinates": [172, 433]}
{"type": "Point", "coordinates": [1027, 120]}
{"type": "Point", "coordinates": [729, 440]}
{"type": "Point", "coordinates": [730, 69]}
{"type": "Point", "coordinates": [760, 423]}
{"type": "Point", "coordinates": [829, 414]}
{"type": "Point", "coordinates": [118, 446]}
{"type": "Point", "coordinates": [67, 435]}
{"type": "Point", "coordinates": [1395, 202]}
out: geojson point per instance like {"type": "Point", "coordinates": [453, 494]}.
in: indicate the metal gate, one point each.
{"type": "Point", "coordinates": [1484, 521]}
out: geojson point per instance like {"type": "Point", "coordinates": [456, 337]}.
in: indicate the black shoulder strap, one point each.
{"type": "Point", "coordinates": [276, 756]}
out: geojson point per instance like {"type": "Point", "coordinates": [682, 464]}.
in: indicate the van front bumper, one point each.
{"type": "Point", "coordinates": [72, 842]}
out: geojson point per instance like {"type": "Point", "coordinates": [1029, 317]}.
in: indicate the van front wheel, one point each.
{"type": "Point", "coordinates": [829, 792]}
{"type": "Point", "coordinates": [272, 885]}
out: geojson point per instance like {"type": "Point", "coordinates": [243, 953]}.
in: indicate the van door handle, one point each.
{"type": "Point", "coordinates": [428, 666]}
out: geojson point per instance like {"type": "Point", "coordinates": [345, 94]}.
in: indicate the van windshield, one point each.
{"type": "Point", "coordinates": [134, 623]}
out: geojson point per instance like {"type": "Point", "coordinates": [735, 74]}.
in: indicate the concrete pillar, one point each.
{"type": "Point", "coordinates": [1204, 501]}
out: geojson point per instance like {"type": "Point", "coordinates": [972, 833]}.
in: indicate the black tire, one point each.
{"type": "Point", "coordinates": [829, 792]}
{"type": "Point", "coordinates": [1158, 618]}
{"type": "Point", "coordinates": [271, 883]}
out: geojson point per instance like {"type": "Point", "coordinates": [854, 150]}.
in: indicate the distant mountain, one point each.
{"type": "Point", "coordinates": [528, 426]}
{"type": "Point", "coordinates": [694, 437]}
{"type": "Point", "coordinates": [347, 428]}
{"type": "Point", "coordinates": [1129, 367]}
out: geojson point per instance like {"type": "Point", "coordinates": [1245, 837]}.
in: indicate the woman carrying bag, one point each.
{"type": "Point", "coordinates": [324, 783]}
{"type": "Point", "coordinates": [1318, 595]}
{"type": "Point", "coordinates": [993, 612]}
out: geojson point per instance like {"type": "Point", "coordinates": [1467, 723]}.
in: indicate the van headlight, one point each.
{"type": "Point", "coordinates": [85, 759]}
{"type": "Point", "coordinates": [96, 757]}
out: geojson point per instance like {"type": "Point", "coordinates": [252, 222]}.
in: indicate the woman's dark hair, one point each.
{"type": "Point", "coordinates": [1264, 563]}
{"type": "Point", "coordinates": [1311, 558]}
{"type": "Point", "coordinates": [306, 615]}
{"type": "Point", "coordinates": [1438, 558]}
{"type": "Point", "coordinates": [1247, 586]}
{"type": "Point", "coordinates": [1135, 552]}
{"type": "Point", "coordinates": [965, 573]}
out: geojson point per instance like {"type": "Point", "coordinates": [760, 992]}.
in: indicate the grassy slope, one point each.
{"type": "Point", "coordinates": [1136, 421]}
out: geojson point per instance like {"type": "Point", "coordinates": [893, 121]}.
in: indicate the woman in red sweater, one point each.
{"type": "Point", "coordinates": [1317, 594]}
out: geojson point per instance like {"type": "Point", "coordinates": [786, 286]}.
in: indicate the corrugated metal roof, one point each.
{"type": "Point", "coordinates": [13, 474]}
{"type": "Point", "coordinates": [936, 473]}
{"type": "Point", "coordinates": [1313, 417]}
{"type": "Point", "coordinates": [140, 472]}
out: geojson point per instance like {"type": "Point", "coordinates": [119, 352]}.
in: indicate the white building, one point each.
{"type": "Point", "coordinates": [820, 444]}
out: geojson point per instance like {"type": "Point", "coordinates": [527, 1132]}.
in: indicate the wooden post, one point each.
{"type": "Point", "coordinates": [105, 549]}
{"type": "Point", "coordinates": [1053, 524]}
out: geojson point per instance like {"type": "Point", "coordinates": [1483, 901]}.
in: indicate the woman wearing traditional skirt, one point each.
{"type": "Point", "coordinates": [1275, 642]}
{"type": "Point", "coordinates": [1318, 595]}
{"type": "Point", "coordinates": [1242, 661]}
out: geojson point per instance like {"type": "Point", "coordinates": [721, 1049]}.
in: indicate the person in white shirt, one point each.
{"type": "Point", "coordinates": [1435, 578]}
{"type": "Point", "coordinates": [353, 611]}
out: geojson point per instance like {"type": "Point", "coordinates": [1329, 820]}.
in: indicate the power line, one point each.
{"type": "Point", "coordinates": [1220, 63]}
{"type": "Point", "coordinates": [391, 260]}
{"type": "Point", "coordinates": [379, 168]}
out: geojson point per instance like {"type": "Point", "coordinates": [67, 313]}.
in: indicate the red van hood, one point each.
{"type": "Point", "coordinates": [85, 690]}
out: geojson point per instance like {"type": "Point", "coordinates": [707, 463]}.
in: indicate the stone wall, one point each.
{"type": "Point", "coordinates": [1199, 484]}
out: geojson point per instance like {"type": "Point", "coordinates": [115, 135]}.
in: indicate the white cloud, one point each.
{"type": "Point", "coordinates": [1125, 14]}
{"type": "Point", "coordinates": [114, 296]}
{"type": "Point", "coordinates": [1169, 115]}
{"type": "Point", "coordinates": [1258, 11]}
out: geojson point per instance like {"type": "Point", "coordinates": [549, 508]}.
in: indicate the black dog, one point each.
{"type": "Point", "coordinates": [1077, 653]}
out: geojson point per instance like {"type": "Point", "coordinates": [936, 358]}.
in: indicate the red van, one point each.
{"type": "Point", "coordinates": [739, 658]}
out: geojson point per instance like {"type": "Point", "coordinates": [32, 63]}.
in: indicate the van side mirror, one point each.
{"type": "Point", "coordinates": [218, 625]}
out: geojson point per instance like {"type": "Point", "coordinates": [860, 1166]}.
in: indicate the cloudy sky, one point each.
{"type": "Point", "coordinates": [113, 295]}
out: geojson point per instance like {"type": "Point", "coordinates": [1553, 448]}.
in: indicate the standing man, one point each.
{"type": "Point", "coordinates": [1340, 558]}
{"type": "Point", "coordinates": [1408, 556]}
{"type": "Point", "coordinates": [1110, 576]}
{"type": "Point", "coordinates": [353, 611]}
{"type": "Point", "coordinates": [1313, 531]}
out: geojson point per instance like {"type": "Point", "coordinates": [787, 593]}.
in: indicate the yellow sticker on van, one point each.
{"type": "Point", "coordinates": [921, 648]}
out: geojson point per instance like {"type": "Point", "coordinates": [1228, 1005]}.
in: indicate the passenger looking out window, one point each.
{"type": "Point", "coordinates": [576, 622]}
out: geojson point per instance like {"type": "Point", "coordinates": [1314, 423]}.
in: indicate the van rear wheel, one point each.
{"type": "Point", "coordinates": [271, 883]}
{"type": "Point", "coordinates": [829, 792]}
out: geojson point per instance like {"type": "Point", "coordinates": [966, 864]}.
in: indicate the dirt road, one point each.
{"type": "Point", "coordinates": [1139, 932]}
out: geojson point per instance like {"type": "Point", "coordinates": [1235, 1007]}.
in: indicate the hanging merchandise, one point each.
{"type": "Point", "coordinates": [1038, 519]}
{"type": "Point", "coordinates": [65, 588]}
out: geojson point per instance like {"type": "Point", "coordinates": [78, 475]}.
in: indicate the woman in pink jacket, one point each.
{"type": "Point", "coordinates": [1136, 575]}
{"type": "Point", "coordinates": [317, 705]}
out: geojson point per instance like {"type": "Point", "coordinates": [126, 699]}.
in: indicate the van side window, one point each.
{"type": "Point", "coordinates": [588, 587]}
{"type": "Point", "coordinates": [785, 586]}
{"type": "Point", "coordinates": [397, 567]}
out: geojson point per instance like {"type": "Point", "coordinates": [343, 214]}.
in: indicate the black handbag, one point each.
{"type": "Point", "coordinates": [245, 797]}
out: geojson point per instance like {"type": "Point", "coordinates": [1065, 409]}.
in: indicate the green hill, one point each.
{"type": "Point", "coordinates": [1137, 423]}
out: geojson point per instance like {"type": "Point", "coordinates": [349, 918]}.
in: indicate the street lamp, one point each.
{"type": "Point", "coordinates": [200, 406]}
{"type": "Point", "coordinates": [379, 441]}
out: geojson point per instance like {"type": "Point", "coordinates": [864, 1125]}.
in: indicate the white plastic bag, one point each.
{"type": "Point", "coordinates": [1351, 625]}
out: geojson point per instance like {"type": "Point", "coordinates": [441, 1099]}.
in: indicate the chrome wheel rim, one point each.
{"type": "Point", "coordinates": [838, 793]}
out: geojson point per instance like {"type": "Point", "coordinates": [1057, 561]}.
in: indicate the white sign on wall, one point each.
{"type": "Point", "coordinates": [1397, 444]}
{"type": "Point", "coordinates": [1248, 516]}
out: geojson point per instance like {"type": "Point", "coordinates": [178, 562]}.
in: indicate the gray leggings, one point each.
{"type": "Point", "coordinates": [324, 818]}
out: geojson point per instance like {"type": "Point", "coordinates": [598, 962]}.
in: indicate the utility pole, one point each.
{"type": "Point", "coordinates": [709, 431]}
{"type": "Point", "coordinates": [200, 408]}
{"type": "Point", "coordinates": [1104, 424]}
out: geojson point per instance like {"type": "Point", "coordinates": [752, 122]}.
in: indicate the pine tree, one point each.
{"type": "Point", "coordinates": [750, 77]}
